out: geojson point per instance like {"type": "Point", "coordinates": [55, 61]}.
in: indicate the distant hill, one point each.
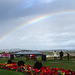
{"type": "Point", "coordinates": [17, 49]}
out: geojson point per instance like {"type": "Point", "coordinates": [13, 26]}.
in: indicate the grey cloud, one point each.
{"type": "Point", "coordinates": [14, 9]}
{"type": "Point", "coordinates": [54, 32]}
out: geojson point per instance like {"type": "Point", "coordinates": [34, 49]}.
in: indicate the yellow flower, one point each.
{"type": "Point", "coordinates": [27, 70]}
{"type": "Point", "coordinates": [24, 67]}
{"type": "Point", "coordinates": [64, 73]}
{"type": "Point", "coordinates": [7, 65]}
{"type": "Point", "coordinates": [5, 62]}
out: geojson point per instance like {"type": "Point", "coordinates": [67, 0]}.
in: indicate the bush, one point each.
{"type": "Point", "coordinates": [20, 63]}
{"type": "Point", "coordinates": [9, 62]}
{"type": "Point", "coordinates": [38, 65]}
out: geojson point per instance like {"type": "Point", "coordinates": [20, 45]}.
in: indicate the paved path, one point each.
{"type": "Point", "coordinates": [55, 62]}
{"type": "Point", "coordinates": [73, 61]}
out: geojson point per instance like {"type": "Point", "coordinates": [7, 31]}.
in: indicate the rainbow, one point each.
{"type": "Point", "coordinates": [35, 21]}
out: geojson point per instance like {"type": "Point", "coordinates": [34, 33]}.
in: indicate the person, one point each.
{"type": "Point", "coordinates": [32, 57]}
{"type": "Point", "coordinates": [68, 55]}
{"type": "Point", "coordinates": [61, 55]}
{"type": "Point", "coordinates": [12, 57]}
{"type": "Point", "coordinates": [55, 55]}
{"type": "Point", "coordinates": [35, 58]}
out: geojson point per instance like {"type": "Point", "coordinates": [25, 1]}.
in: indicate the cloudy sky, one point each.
{"type": "Point", "coordinates": [57, 32]}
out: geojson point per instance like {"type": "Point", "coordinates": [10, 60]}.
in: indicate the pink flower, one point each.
{"type": "Point", "coordinates": [33, 69]}
{"type": "Point", "coordinates": [16, 70]}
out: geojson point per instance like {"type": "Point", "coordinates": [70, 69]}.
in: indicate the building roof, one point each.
{"type": "Point", "coordinates": [29, 53]}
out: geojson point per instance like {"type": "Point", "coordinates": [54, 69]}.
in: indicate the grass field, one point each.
{"type": "Point", "coordinates": [50, 62]}
{"type": "Point", "coordinates": [6, 72]}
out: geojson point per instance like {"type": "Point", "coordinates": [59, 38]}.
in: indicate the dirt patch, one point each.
{"type": "Point", "coordinates": [73, 61]}
{"type": "Point", "coordinates": [55, 62]}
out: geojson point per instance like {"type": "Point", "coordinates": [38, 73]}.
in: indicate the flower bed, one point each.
{"type": "Point", "coordinates": [34, 71]}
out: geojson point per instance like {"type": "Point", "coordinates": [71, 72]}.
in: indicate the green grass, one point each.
{"type": "Point", "coordinates": [6, 72]}
{"type": "Point", "coordinates": [50, 62]}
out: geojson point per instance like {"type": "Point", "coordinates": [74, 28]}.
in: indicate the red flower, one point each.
{"type": "Point", "coordinates": [41, 74]}
{"type": "Point", "coordinates": [23, 71]}
{"type": "Point", "coordinates": [36, 71]}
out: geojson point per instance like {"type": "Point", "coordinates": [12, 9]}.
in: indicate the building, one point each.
{"type": "Point", "coordinates": [24, 54]}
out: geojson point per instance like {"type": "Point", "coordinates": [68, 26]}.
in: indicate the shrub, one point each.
{"type": "Point", "coordinates": [9, 62]}
{"type": "Point", "coordinates": [38, 65]}
{"type": "Point", "coordinates": [20, 63]}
